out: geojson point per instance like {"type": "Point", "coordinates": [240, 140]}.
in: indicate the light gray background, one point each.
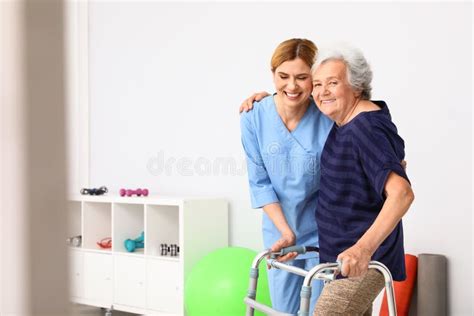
{"type": "Point", "coordinates": [166, 80]}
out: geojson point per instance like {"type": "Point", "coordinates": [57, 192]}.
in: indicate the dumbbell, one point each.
{"type": "Point", "coordinates": [74, 241]}
{"type": "Point", "coordinates": [132, 244]}
{"type": "Point", "coordinates": [138, 192]}
{"type": "Point", "coordinates": [94, 191]}
{"type": "Point", "coordinates": [163, 249]}
{"type": "Point", "coordinates": [172, 250]}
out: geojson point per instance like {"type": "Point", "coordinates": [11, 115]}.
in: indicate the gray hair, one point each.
{"type": "Point", "coordinates": [359, 73]}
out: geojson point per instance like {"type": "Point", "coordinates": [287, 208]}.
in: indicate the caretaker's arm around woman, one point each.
{"type": "Point", "coordinates": [399, 196]}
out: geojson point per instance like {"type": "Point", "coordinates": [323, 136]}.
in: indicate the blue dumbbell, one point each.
{"type": "Point", "coordinates": [132, 244]}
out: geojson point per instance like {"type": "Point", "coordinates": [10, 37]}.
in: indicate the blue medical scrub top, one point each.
{"type": "Point", "coordinates": [283, 167]}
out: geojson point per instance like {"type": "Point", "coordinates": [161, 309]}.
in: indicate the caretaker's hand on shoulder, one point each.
{"type": "Point", "coordinates": [404, 164]}
{"type": "Point", "coordinates": [355, 261]}
{"type": "Point", "coordinates": [247, 105]}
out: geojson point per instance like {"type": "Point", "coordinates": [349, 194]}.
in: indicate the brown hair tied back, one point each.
{"type": "Point", "coordinates": [292, 49]}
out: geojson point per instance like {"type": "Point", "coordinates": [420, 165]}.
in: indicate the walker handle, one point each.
{"type": "Point", "coordinates": [298, 249]}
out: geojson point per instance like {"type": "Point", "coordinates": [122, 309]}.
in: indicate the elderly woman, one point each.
{"type": "Point", "coordinates": [364, 190]}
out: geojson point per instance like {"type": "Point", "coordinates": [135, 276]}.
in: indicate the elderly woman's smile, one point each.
{"type": "Point", "coordinates": [327, 101]}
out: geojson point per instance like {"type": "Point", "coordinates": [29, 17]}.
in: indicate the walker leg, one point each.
{"type": "Point", "coordinates": [252, 290]}
{"type": "Point", "coordinates": [305, 300]}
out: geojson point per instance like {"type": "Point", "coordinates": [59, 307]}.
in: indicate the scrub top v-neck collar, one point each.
{"type": "Point", "coordinates": [294, 135]}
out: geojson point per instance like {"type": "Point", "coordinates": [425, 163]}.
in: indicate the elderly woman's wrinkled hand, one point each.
{"type": "Point", "coordinates": [355, 261]}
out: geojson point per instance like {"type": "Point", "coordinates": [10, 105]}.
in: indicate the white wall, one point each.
{"type": "Point", "coordinates": [77, 89]}
{"type": "Point", "coordinates": [166, 81]}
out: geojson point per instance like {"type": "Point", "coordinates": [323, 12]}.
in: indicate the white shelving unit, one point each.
{"type": "Point", "coordinates": [143, 281]}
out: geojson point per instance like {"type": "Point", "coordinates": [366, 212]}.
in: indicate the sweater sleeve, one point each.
{"type": "Point", "coordinates": [380, 150]}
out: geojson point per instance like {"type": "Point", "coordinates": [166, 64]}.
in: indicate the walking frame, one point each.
{"type": "Point", "coordinates": [324, 271]}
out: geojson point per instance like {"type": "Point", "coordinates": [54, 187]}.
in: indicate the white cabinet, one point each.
{"type": "Point", "coordinates": [145, 281]}
{"type": "Point", "coordinates": [76, 279]}
{"type": "Point", "coordinates": [130, 275]}
{"type": "Point", "coordinates": [164, 289]}
{"type": "Point", "coordinates": [98, 277]}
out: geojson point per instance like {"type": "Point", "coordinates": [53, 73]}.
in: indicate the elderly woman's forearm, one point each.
{"type": "Point", "coordinates": [395, 207]}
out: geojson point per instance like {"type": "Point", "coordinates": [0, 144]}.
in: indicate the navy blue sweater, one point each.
{"type": "Point", "coordinates": [355, 164]}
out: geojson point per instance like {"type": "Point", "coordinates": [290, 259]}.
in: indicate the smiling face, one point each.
{"type": "Point", "coordinates": [293, 82]}
{"type": "Point", "coordinates": [332, 91]}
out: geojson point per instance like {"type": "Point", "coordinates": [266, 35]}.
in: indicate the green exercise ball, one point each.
{"type": "Point", "coordinates": [218, 283]}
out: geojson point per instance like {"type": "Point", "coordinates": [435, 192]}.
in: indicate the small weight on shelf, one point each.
{"type": "Point", "coordinates": [132, 244]}
{"type": "Point", "coordinates": [137, 192]}
{"type": "Point", "coordinates": [163, 249]}
{"type": "Point", "coordinates": [74, 241]}
{"type": "Point", "coordinates": [94, 191]}
{"type": "Point", "coordinates": [172, 250]}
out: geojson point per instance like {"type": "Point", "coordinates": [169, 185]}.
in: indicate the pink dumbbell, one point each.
{"type": "Point", "coordinates": [138, 192]}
